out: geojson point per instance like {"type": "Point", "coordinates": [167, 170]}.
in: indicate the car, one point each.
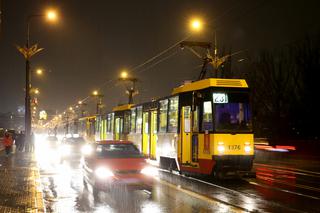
{"type": "Point", "coordinates": [52, 141]}
{"type": "Point", "coordinates": [109, 164]}
{"type": "Point", "coordinates": [71, 147]}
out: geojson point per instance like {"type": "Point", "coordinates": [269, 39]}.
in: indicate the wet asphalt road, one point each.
{"type": "Point", "coordinates": [64, 192]}
{"type": "Point", "coordinates": [274, 189]}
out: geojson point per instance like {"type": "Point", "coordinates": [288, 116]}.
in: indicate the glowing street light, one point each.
{"type": "Point", "coordinates": [196, 25]}
{"type": "Point", "coordinates": [39, 71]}
{"type": "Point", "coordinates": [51, 15]}
{"type": "Point", "coordinates": [36, 91]}
{"type": "Point", "coordinates": [70, 108]}
{"type": "Point", "coordinates": [95, 93]}
{"type": "Point", "coordinates": [124, 74]}
{"type": "Point", "coordinates": [79, 102]}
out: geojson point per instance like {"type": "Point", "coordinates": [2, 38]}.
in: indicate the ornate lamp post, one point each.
{"type": "Point", "coordinates": [28, 51]}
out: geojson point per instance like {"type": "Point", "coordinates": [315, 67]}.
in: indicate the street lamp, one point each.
{"type": "Point", "coordinates": [196, 24]}
{"type": "Point", "coordinates": [28, 52]}
{"type": "Point", "coordinates": [99, 97]}
{"type": "Point", "coordinates": [39, 71]}
{"type": "Point", "coordinates": [36, 91]}
{"type": "Point", "coordinates": [130, 90]}
{"type": "Point", "coordinates": [51, 15]}
{"type": "Point", "coordinates": [124, 74]}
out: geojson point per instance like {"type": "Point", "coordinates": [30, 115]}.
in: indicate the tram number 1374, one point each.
{"type": "Point", "coordinates": [234, 147]}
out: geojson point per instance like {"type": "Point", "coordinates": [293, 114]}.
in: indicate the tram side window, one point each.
{"type": "Point", "coordinates": [187, 123]}
{"type": "Point", "coordinates": [196, 120]}
{"type": "Point", "coordinates": [173, 114]}
{"type": "Point", "coordinates": [133, 121]}
{"type": "Point", "coordinates": [126, 127]}
{"type": "Point", "coordinates": [110, 123]}
{"type": "Point", "coordinates": [207, 116]}
{"type": "Point", "coordinates": [139, 120]}
{"type": "Point", "coordinates": [163, 115]}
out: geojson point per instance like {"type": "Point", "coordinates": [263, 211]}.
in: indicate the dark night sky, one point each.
{"type": "Point", "coordinates": [95, 39]}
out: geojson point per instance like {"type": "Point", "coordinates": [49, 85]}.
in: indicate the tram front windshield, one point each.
{"type": "Point", "coordinates": [232, 112]}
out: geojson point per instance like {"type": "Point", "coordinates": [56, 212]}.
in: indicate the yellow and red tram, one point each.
{"type": "Point", "coordinates": [204, 127]}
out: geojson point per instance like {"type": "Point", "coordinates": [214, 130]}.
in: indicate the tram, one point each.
{"type": "Point", "coordinates": [202, 128]}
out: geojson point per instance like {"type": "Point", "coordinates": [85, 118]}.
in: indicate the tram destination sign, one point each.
{"type": "Point", "coordinates": [220, 98]}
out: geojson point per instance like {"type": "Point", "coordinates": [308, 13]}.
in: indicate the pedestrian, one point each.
{"type": "Point", "coordinates": [17, 141]}
{"type": "Point", "coordinates": [22, 141]}
{"type": "Point", "coordinates": [32, 141]}
{"type": "Point", "coordinates": [7, 142]}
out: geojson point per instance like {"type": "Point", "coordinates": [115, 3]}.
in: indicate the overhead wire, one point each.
{"type": "Point", "coordinates": [148, 61]}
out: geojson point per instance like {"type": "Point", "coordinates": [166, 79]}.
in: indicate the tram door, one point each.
{"type": "Point", "coordinates": [118, 128]}
{"type": "Point", "coordinates": [186, 135]}
{"type": "Point", "coordinates": [153, 134]}
{"type": "Point", "coordinates": [145, 134]}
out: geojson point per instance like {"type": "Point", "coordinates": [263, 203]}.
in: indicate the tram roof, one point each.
{"type": "Point", "coordinates": [122, 107]}
{"type": "Point", "coordinates": [87, 117]}
{"type": "Point", "coordinates": [210, 82]}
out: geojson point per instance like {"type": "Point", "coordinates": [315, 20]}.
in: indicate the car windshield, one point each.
{"type": "Point", "coordinates": [117, 151]}
{"type": "Point", "coordinates": [233, 115]}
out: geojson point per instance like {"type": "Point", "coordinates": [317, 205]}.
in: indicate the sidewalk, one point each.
{"type": "Point", "coordinates": [20, 189]}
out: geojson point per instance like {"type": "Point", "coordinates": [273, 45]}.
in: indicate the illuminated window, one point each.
{"type": "Point", "coordinates": [207, 116]}
{"type": "Point", "coordinates": [173, 114]}
{"type": "Point", "coordinates": [133, 121]}
{"type": "Point", "coordinates": [146, 122]}
{"type": "Point", "coordinates": [163, 115]}
{"type": "Point", "coordinates": [139, 120]}
{"type": "Point", "coordinates": [110, 123]}
{"type": "Point", "coordinates": [126, 127]}
{"type": "Point", "coordinates": [187, 110]}
{"type": "Point", "coordinates": [196, 119]}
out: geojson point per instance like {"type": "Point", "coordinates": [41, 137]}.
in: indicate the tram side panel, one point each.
{"type": "Point", "coordinates": [167, 150]}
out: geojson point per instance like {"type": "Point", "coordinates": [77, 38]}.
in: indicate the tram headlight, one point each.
{"type": "Point", "coordinates": [247, 147]}
{"type": "Point", "coordinates": [221, 147]}
{"type": "Point", "coordinates": [103, 172]}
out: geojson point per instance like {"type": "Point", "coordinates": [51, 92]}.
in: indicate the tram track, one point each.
{"type": "Point", "coordinates": [239, 194]}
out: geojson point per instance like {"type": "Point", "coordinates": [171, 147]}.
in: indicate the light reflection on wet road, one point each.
{"type": "Point", "coordinates": [64, 192]}
{"type": "Point", "coordinates": [274, 189]}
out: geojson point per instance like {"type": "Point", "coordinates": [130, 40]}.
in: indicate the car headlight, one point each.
{"type": "Point", "coordinates": [65, 150]}
{"type": "Point", "coordinates": [86, 149]}
{"type": "Point", "coordinates": [150, 171]}
{"type": "Point", "coordinates": [247, 147]}
{"type": "Point", "coordinates": [102, 172]}
{"type": "Point", "coordinates": [221, 147]}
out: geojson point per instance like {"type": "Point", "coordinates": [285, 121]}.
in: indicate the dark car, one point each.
{"type": "Point", "coordinates": [71, 147]}
{"type": "Point", "coordinates": [116, 163]}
